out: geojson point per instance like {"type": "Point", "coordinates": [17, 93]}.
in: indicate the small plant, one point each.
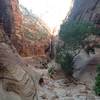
{"type": "Point", "coordinates": [51, 72]}
{"type": "Point", "coordinates": [97, 83]}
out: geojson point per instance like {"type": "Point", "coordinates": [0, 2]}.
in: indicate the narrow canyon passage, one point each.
{"type": "Point", "coordinates": [49, 50]}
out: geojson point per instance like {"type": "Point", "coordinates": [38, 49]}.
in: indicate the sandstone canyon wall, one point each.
{"type": "Point", "coordinates": [28, 33]}
{"type": "Point", "coordinates": [32, 36]}
{"type": "Point", "coordinates": [17, 82]}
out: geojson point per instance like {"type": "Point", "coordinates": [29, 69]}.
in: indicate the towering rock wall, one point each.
{"type": "Point", "coordinates": [28, 33]}
{"type": "Point", "coordinates": [87, 10]}
{"type": "Point", "coordinates": [17, 82]}
{"type": "Point", "coordinates": [32, 36]}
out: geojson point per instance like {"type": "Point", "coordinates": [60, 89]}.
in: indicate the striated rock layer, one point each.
{"type": "Point", "coordinates": [33, 37]}
{"type": "Point", "coordinates": [17, 82]}
{"type": "Point", "coordinates": [28, 33]}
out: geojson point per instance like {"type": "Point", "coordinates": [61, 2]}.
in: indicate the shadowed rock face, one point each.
{"type": "Point", "coordinates": [6, 16]}
{"type": "Point", "coordinates": [87, 10]}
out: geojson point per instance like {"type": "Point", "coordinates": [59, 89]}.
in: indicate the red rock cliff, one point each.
{"type": "Point", "coordinates": [28, 33]}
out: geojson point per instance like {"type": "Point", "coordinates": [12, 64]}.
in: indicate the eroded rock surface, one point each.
{"type": "Point", "coordinates": [32, 36]}
{"type": "Point", "coordinates": [16, 81]}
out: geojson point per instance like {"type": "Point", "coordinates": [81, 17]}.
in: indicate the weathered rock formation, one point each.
{"type": "Point", "coordinates": [86, 10]}
{"type": "Point", "coordinates": [32, 36]}
{"type": "Point", "coordinates": [16, 14]}
{"type": "Point", "coordinates": [17, 82]}
{"type": "Point", "coordinates": [29, 34]}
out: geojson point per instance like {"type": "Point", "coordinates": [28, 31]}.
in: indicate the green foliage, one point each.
{"type": "Point", "coordinates": [73, 33]}
{"type": "Point", "coordinates": [97, 83]}
{"type": "Point", "coordinates": [50, 71]}
{"type": "Point", "coordinates": [35, 36]}
{"type": "Point", "coordinates": [65, 59]}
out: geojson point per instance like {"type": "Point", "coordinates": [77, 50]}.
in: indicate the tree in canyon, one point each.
{"type": "Point", "coordinates": [73, 34]}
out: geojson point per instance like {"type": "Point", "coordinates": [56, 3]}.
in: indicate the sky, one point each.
{"type": "Point", "coordinates": [52, 12]}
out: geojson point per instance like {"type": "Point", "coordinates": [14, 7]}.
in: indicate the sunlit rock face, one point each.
{"type": "Point", "coordinates": [16, 14]}
{"type": "Point", "coordinates": [32, 35]}
{"type": "Point", "coordinates": [87, 10]}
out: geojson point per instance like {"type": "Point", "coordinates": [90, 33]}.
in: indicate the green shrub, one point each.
{"type": "Point", "coordinates": [74, 33]}
{"type": "Point", "coordinates": [51, 71]}
{"type": "Point", "coordinates": [65, 59]}
{"type": "Point", "coordinates": [97, 83]}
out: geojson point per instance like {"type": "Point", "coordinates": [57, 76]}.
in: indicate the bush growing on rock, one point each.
{"type": "Point", "coordinates": [97, 83]}
{"type": "Point", "coordinates": [73, 34]}
{"type": "Point", "coordinates": [65, 59]}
